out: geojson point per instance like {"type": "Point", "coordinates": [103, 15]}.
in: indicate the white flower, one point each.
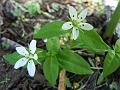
{"type": "Point", "coordinates": [28, 58]}
{"type": "Point", "coordinates": [45, 40]}
{"type": "Point", "coordinates": [77, 22]}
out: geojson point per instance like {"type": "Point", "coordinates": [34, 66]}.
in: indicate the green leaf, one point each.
{"type": "Point", "coordinates": [74, 63]}
{"type": "Point", "coordinates": [41, 54]}
{"type": "Point", "coordinates": [111, 63]}
{"type": "Point", "coordinates": [53, 44]}
{"type": "Point", "coordinates": [12, 58]}
{"type": "Point", "coordinates": [117, 46]}
{"type": "Point", "coordinates": [91, 41]}
{"type": "Point", "coordinates": [51, 69]}
{"type": "Point", "coordinates": [113, 22]}
{"type": "Point", "coordinates": [33, 8]}
{"type": "Point", "coordinates": [112, 59]}
{"type": "Point", "coordinates": [50, 30]}
{"type": "Point", "coordinates": [100, 78]}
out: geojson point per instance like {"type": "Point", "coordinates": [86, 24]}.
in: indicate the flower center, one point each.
{"type": "Point", "coordinates": [31, 56]}
{"type": "Point", "coordinates": [75, 23]}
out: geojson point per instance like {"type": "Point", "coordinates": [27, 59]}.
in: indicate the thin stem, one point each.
{"type": "Point", "coordinates": [61, 85]}
{"type": "Point", "coordinates": [98, 68]}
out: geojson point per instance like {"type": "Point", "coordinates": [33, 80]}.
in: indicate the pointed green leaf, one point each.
{"type": "Point", "coordinates": [117, 46]}
{"type": "Point", "coordinates": [100, 78]}
{"type": "Point", "coordinates": [111, 63]}
{"type": "Point", "coordinates": [53, 44]}
{"type": "Point", "coordinates": [72, 62]}
{"type": "Point", "coordinates": [12, 58]}
{"type": "Point", "coordinates": [33, 8]}
{"type": "Point", "coordinates": [41, 55]}
{"type": "Point", "coordinates": [50, 30]}
{"type": "Point", "coordinates": [91, 41]}
{"type": "Point", "coordinates": [51, 69]}
{"type": "Point", "coordinates": [112, 60]}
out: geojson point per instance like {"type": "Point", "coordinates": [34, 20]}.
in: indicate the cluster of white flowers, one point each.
{"type": "Point", "coordinates": [28, 58]}
{"type": "Point", "coordinates": [77, 21]}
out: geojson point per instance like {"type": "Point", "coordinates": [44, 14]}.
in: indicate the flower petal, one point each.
{"type": "Point", "coordinates": [86, 26]}
{"type": "Point", "coordinates": [82, 15]}
{"type": "Point", "coordinates": [75, 33]}
{"type": "Point", "coordinates": [45, 40]}
{"type": "Point", "coordinates": [31, 68]}
{"type": "Point", "coordinates": [21, 62]}
{"type": "Point", "coordinates": [35, 56]}
{"type": "Point", "coordinates": [72, 13]}
{"type": "Point", "coordinates": [32, 46]}
{"type": "Point", "coordinates": [22, 51]}
{"type": "Point", "coordinates": [67, 26]}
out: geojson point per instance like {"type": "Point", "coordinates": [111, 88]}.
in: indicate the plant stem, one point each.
{"type": "Point", "coordinates": [61, 85]}
{"type": "Point", "coordinates": [111, 27]}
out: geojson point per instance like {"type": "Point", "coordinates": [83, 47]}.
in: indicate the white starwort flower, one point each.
{"type": "Point", "coordinates": [77, 21]}
{"type": "Point", "coordinates": [28, 58]}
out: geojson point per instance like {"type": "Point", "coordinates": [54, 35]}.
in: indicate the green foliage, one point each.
{"type": "Point", "coordinates": [12, 58]}
{"type": "Point", "coordinates": [91, 41]}
{"type": "Point", "coordinates": [33, 8]}
{"type": "Point", "coordinates": [113, 22]}
{"type": "Point", "coordinates": [50, 30]}
{"type": "Point", "coordinates": [100, 78]}
{"type": "Point", "coordinates": [62, 58]}
{"type": "Point", "coordinates": [117, 46]}
{"type": "Point", "coordinates": [53, 44]}
{"type": "Point", "coordinates": [41, 54]}
{"type": "Point", "coordinates": [74, 63]}
{"type": "Point", "coordinates": [51, 69]}
{"type": "Point", "coordinates": [112, 60]}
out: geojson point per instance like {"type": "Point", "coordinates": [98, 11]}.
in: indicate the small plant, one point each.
{"type": "Point", "coordinates": [59, 56]}
{"type": "Point", "coordinates": [32, 7]}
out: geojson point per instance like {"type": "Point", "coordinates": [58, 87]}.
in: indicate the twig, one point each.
{"type": "Point", "coordinates": [84, 54]}
{"type": "Point", "coordinates": [61, 85]}
{"type": "Point", "coordinates": [100, 86]}
{"type": "Point", "coordinates": [98, 68]}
